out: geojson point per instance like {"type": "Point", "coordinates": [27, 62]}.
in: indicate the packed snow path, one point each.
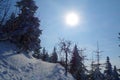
{"type": "Point", "coordinates": [15, 66]}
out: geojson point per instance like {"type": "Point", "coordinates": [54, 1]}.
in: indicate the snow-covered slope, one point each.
{"type": "Point", "coordinates": [15, 66]}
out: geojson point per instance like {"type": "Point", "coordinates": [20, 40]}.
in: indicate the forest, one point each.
{"type": "Point", "coordinates": [22, 28]}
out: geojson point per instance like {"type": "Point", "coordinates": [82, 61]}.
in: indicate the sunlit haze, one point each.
{"type": "Point", "coordinates": [72, 19]}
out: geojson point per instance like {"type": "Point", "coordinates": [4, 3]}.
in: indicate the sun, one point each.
{"type": "Point", "coordinates": [72, 19]}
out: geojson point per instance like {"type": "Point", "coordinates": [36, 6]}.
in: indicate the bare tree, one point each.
{"type": "Point", "coordinates": [65, 47]}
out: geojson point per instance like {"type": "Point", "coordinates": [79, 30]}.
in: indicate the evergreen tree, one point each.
{"type": "Point", "coordinates": [115, 74]}
{"type": "Point", "coordinates": [43, 54]}
{"type": "Point", "coordinates": [47, 57]}
{"type": "Point", "coordinates": [7, 29]}
{"type": "Point", "coordinates": [54, 57]}
{"type": "Point", "coordinates": [4, 11]}
{"type": "Point", "coordinates": [27, 32]}
{"type": "Point", "coordinates": [108, 70]}
{"type": "Point", "coordinates": [77, 68]}
{"type": "Point", "coordinates": [37, 54]}
{"type": "Point", "coordinates": [91, 72]}
{"type": "Point", "coordinates": [97, 75]}
{"type": "Point", "coordinates": [9, 26]}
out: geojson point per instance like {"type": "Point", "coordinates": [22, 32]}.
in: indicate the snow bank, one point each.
{"type": "Point", "coordinates": [15, 66]}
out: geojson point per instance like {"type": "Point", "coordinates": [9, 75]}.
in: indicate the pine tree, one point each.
{"type": "Point", "coordinates": [9, 26]}
{"type": "Point", "coordinates": [47, 57]}
{"type": "Point", "coordinates": [37, 54]}
{"type": "Point", "coordinates": [108, 70]}
{"type": "Point", "coordinates": [54, 57]}
{"type": "Point", "coordinates": [91, 72]}
{"type": "Point", "coordinates": [4, 11]}
{"type": "Point", "coordinates": [27, 32]}
{"type": "Point", "coordinates": [77, 68]}
{"type": "Point", "coordinates": [115, 74]}
{"type": "Point", "coordinates": [97, 75]}
{"type": "Point", "coordinates": [43, 54]}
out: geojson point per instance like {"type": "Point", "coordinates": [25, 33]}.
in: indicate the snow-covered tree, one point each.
{"type": "Point", "coordinates": [37, 54]}
{"type": "Point", "coordinates": [108, 73]}
{"type": "Point", "coordinates": [54, 57]}
{"type": "Point", "coordinates": [7, 29]}
{"type": "Point", "coordinates": [45, 55]}
{"type": "Point", "coordinates": [9, 26]}
{"type": "Point", "coordinates": [115, 74]}
{"type": "Point", "coordinates": [27, 32]}
{"type": "Point", "coordinates": [77, 68]}
{"type": "Point", "coordinates": [4, 11]}
{"type": "Point", "coordinates": [97, 75]}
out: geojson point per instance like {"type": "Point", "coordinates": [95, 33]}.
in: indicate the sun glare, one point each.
{"type": "Point", "coordinates": [72, 19]}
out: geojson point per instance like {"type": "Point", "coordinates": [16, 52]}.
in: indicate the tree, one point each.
{"type": "Point", "coordinates": [77, 68]}
{"type": "Point", "coordinates": [108, 70]}
{"type": "Point", "coordinates": [37, 54]}
{"type": "Point", "coordinates": [115, 74]}
{"type": "Point", "coordinates": [27, 32]}
{"type": "Point", "coordinates": [8, 28]}
{"type": "Point", "coordinates": [65, 47]}
{"type": "Point", "coordinates": [4, 9]}
{"type": "Point", "coordinates": [54, 57]}
{"type": "Point", "coordinates": [44, 55]}
{"type": "Point", "coordinates": [97, 75]}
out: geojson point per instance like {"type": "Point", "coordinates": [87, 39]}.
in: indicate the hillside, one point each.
{"type": "Point", "coordinates": [22, 66]}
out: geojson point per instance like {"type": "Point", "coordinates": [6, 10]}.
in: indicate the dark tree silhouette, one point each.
{"type": "Point", "coordinates": [43, 54]}
{"type": "Point", "coordinates": [65, 47]}
{"type": "Point", "coordinates": [108, 73]}
{"type": "Point", "coordinates": [4, 9]}
{"type": "Point", "coordinates": [7, 29]}
{"type": "Point", "coordinates": [115, 74]}
{"type": "Point", "coordinates": [77, 68]}
{"type": "Point", "coordinates": [54, 57]}
{"type": "Point", "coordinates": [27, 32]}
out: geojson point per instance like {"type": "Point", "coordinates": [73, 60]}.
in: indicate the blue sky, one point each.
{"type": "Point", "coordinates": [100, 22]}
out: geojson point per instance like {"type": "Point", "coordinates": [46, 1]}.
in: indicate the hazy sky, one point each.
{"type": "Point", "coordinates": [99, 21]}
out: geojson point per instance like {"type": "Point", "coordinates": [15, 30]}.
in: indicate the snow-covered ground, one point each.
{"type": "Point", "coordinates": [15, 66]}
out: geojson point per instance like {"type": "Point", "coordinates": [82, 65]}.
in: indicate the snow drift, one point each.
{"type": "Point", "coordinates": [22, 66]}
